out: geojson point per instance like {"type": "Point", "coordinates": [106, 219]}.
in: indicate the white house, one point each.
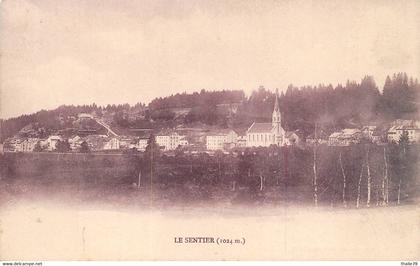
{"type": "Point", "coordinates": [51, 142]}
{"type": "Point", "coordinates": [22, 145]}
{"type": "Point", "coordinates": [411, 127]}
{"type": "Point", "coordinates": [75, 142]}
{"type": "Point", "coordinates": [112, 144]}
{"type": "Point", "coordinates": [183, 141]}
{"type": "Point", "coordinates": [291, 138]}
{"type": "Point", "coordinates": [345, 137]}
{"type": "Point", "coordinates": [241, 141]}
{"type": "Point", "coordinates": [221, 139]}
{"type": "Point", "coordinates": [170, 140]}
{"type": "Point", "coordinates": [142, 143]}
{"type": "Point", "coordinates": [368, 132]}
{"type": "Point", "coordinates": [28, 144]}
{"type": "Point", "coordinates": [85, 116]}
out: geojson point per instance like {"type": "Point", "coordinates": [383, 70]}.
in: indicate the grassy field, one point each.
{"type": "Point", "coordinates": [64, 208]}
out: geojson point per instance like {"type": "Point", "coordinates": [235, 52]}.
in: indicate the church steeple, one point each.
{"type": "Point", "coordinates": [276, 119]}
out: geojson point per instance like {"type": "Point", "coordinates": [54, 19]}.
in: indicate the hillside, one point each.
{"type": "Point", "coordinates": [351, 105]}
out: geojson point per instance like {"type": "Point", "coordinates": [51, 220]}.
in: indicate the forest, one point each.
{"type": "Point", "coordinates": [350, 105]}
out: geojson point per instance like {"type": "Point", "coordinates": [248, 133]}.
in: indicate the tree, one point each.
{"type": "Point", "coordinates": [38, 147]}
{"type": "Point", "coordinates": [359, 187]}
{"type": "Point", "coordinates": [315, 177]}
{"type": "Point", "coordinates": [62, 146]}
{"type": "Point", "coordinates": [369, 178]}
{"type": "Point", "coordinates": [403, 171]}
{"type": "Point", "coordinates": [385, 181]}
{"type": "Point", "coordinates": [150, 154]}
{"type": "Point", "coordinates": [84, 147]}
{"type": "Point", "coordinates": [344, 179]}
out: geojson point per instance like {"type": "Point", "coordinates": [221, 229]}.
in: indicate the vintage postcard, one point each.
{"type": "Point", "coordinates": [209, 130]}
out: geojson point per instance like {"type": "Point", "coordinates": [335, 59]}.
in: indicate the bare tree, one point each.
{"type": "Point", "coordinates": [369, 180]}
{"type": "Point", "coordinates": [138, 184]}
{"type": "Point", "coordinates": [385, 189]}
{"type": "Point", "coordinates": [399, 192]}
{"type": "Point", "coordinates": [344, 180]}
{"type": "Point", "coordinates": [261, 182]}
{"type": "Point", "coordinates": [359, 187]}
{"type": "Point", "coordinates": [219, 168]}
{"type": "Point", "coordinates": [403, 142]}
{"type": "Point", "coordinates": [315, 185]}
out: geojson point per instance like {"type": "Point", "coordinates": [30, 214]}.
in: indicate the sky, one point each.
{"type": "Point", "coordinates": [119, 51]}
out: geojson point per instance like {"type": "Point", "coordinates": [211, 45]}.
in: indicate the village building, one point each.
{"type": "Point", "coordinates": [75, 142]}
{"type": "Point", "coordinates": [292, 138]}
{"type": "Point", "coordinates": [267, 134]}
{"type": "Point", "coordinates": [27, 145]}
{"type": "Point", "coordinates": [112, 144]}
{"type": "Point", "coordinates": [125, 142]}
{"type": "Point", "coordinates": [142, 143]}
{"type": "Point", "coordinates": [51, 142]}
{"type": "Point", "coordinates": [379, 136]}
{"type": "Point", "coordinates": [241, 141]}
{"type": "Point", "coordinates": [142, 139]}
{"type": "Point", "coordinates": [10, 144]}
{"type": "Point", "coordinates": [170, 140]}
{"type": "Point", "coordinates": [368, 131]}
{"type": "Point", "coordinates": [96, 142]}
{"type": "Point", "coordinates": [400, 126]}
{"type": "Point", "coordinates": [17, 144]}
{"type": "Point", "coordinates": [20, 144]}
{"type": "Point", "coordinates": [345, 137]}
{"type": "Point", "coordinates": [85, 116]}
{"type": "Point", "coordinates": [321, 138]}
{"type": "Point", "coordinates": [223, 139]}
{"type": "Point", "coordinates": [183, 141]}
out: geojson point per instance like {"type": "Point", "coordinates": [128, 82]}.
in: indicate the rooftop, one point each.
{"type": "Point", "coordinates": [260, 128]}
{"type": "Point", "coordinates": [220, 132]}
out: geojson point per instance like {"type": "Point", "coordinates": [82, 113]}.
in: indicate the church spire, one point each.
{"type": "Point", "coordinates": [276, 119]}
{"type": "Point", "coordinates": [276, 104]}
{"type": "Point", "coordinates": [276, 122]}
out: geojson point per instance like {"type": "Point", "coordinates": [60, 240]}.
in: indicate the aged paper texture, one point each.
{"type": "Point", "coordinates": [209, 130]}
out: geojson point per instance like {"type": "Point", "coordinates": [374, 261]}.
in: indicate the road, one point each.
{"type": "Point", "coordinates": [105, 125]}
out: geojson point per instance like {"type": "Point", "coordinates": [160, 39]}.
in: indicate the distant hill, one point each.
{"type": "Point", "coordinates": [355, 103]}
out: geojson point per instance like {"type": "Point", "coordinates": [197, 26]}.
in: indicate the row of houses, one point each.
{"type": "Point", "coordinates": [16, 144]}
{"type": "Point", "coordinates": [95, 142]}
{"type": "Point", "coordinates": [391, 133]}
{"type": "Point", "coordinates": [168, 140]}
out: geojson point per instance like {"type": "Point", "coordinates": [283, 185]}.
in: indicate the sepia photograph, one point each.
{"type": "Point", "coordinates": [209, 130]}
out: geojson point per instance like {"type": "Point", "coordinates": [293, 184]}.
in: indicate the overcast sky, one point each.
{"type": "Point", "coordinates": [79, 52]}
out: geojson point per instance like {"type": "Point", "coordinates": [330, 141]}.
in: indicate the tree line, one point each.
{"type": "Point", "coordinates": [361, 175]}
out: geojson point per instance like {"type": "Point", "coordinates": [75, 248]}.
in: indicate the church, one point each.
{"type": "Point", "coordinates": [266, 134]}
